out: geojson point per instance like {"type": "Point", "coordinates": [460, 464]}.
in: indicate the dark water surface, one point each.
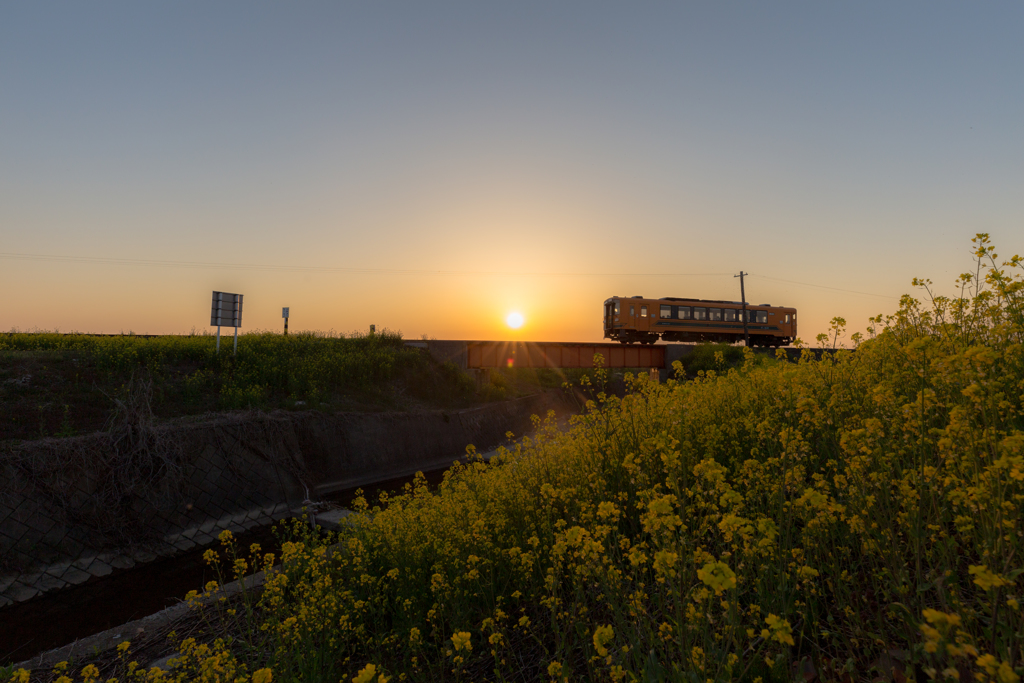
{"type": "Point", "coordinates": [63, 616]}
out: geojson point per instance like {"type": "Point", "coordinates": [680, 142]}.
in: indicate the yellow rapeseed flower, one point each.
{"type": "Point", "coordinates": [781, 631]}
{"type": "Point", "coordinates": [987, 579]}
{"type": "Point", "coordinates": [1006, 674]}
{"type": "Point", "coordinates": [607, 510]}
{"type": "Point", "coordinates": [664, 561]}
{"type": "Point", "coordinates": [940, 618]}
{"type": "Point", "coordinates": [365, 674]}
{"type": "Point", "coordinates": [989, 663]}
{"type": "Point", "coordinates": [813, 498]}
{"type": "Point", "coordinates": [717, 576]}
{"type": "Point", "coordinates": [602, 636]}
{"type": "Point", "coordinates": [461, 641]}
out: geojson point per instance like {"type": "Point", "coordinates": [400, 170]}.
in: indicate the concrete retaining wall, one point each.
{"type": "Point", "coordinates": [344, 451]}
{"type": "Point", "coordinates": [231, 471]}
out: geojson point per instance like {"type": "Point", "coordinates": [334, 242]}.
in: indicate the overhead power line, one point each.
{"type": "Point", "coordinates": [267, 267]}
{"type": "Point", "coordinates": [103, 260]}
{"type": "Point", "coordinates": [823, 287]}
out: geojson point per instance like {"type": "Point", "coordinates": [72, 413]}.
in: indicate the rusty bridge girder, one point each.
{"type": "Point", "coordinates": [486, 354]}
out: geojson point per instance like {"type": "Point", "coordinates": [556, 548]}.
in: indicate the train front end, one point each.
{"type": "Point", "coordinates": [611, 317]}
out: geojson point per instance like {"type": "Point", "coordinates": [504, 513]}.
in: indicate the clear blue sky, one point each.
{"type": "Point", "coordinates": [544, 156]}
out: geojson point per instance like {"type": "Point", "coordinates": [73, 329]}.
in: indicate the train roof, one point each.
{"type": "Point", "coordinates": [702, 301]}
{"type": "Point", "coordinates": [706, 301]}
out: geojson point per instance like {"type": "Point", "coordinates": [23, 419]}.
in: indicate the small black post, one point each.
{"type": "Point", "coordinates": [743, 298]}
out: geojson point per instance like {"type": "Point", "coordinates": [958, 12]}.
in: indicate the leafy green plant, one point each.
{"type": "Point", "coordinates": [189, 376]}
{"type": "Point", "coordinates": [713, 357]}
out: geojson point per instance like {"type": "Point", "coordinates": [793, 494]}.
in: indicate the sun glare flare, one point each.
{"type": "Point", "coordinates": [515, 320]}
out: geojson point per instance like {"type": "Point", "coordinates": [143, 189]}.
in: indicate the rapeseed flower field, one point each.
{"type": "Point", "coordinates": [854, 516]}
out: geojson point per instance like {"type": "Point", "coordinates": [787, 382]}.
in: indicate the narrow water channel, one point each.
{"type": "Point", "coordinates": [59, 618]}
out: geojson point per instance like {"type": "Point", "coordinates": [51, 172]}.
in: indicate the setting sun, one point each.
{"type": "Point", "coordinates": [515, 320]}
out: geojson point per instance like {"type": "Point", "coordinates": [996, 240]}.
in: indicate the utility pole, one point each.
{"type": "Point", "coordinates": [743, 298]}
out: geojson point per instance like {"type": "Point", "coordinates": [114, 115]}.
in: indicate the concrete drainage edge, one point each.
{"type": "Point", "coordinates": [105, 641]}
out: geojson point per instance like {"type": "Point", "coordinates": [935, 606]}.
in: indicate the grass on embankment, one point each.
{"type": "Point", "coordinates": [63, 384]}
{"type": "Point", "coordinates": [856, 517]}
{"type": "Point", "coordinates": [55, 384]}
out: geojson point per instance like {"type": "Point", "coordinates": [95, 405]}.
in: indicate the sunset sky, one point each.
{"type": "Point", "coordinates": [432, 167]}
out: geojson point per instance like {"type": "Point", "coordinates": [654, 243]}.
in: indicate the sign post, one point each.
{"type": "Point", "coordinates": [284, 314]}
{"type": "Point", "coordinates": [226, 310]}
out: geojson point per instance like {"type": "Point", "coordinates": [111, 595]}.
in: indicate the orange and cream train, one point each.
{"type": "Point", "coordinates": [636, 319]}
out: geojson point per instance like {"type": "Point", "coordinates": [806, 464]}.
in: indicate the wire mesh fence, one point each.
{"type": "Point", "coordinates": [81, 507]}
{"type": "Point", "coordinates": [77, 508]}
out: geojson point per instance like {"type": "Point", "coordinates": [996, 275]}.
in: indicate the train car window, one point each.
{"type": "Point", "coordinates": [730, 315]}
{"type": "Point", "coordinates": [714, 314]}
{"type": "Point", "coordinates": [631, 310]}
{"type": "Point", "coordinates": [684, 312]}
{"type": "Point", "coordinates": [617, 307]}
{"type": "Point", "coordinates": [787, 317]}
{"type": "Point", "coordinates": [643, 311]}
{"type": "Point", "coordinates": [762, 316]}
{"type": "Point", "coordinates": [700, 313]}
{"type": "Point", "coordinates": [666, 312]}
